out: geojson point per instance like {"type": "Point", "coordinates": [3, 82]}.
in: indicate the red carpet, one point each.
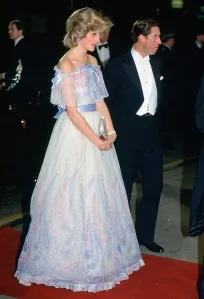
{"type": "Point", "coordinates": [161, 278]}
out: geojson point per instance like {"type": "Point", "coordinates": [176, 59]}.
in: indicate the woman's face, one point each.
{"type": "Point", "coordinates": [90, 40]}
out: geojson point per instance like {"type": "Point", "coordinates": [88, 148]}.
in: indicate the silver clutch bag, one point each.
{"type": "Point", "coordinates": [102, 131]}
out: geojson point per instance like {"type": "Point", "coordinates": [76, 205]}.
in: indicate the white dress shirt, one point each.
{"type": "Point", "coordinates": [198, 44]}
{"type": "Point", "coordinates": [103, 53]}
{"type": "Point", "coordinates": [16, 41]}
{"type": "Point", "coordinates": [148, 84]}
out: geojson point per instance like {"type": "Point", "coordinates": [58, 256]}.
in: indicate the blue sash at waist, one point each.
{"type": "Point", "coordinates": [87, 108]}
{"type": "Point", "coordinates": [80, 108]}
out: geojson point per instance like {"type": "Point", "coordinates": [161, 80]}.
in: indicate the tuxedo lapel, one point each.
{"type": "Point", "coordinates": [132, 73]}
{"type": "Point", "coordinates": [112, 50]}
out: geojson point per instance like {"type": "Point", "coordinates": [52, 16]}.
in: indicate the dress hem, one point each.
{"type": "Point", "coordinates": [27, 280]}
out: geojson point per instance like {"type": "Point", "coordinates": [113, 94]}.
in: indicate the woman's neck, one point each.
{"type": "Point", "coordinates": [80, 53]}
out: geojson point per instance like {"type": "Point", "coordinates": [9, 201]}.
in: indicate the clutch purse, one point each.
{"type": "Point", "coordinates": [102, 131]}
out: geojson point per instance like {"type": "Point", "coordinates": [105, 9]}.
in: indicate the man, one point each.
{"type": "Point", "coordinates": [18, 84]}
{"type": "Point", "coordinates": [132, 81]}
{"type": "Point", "coordinates": [193, 68]}
{"type": "Point", "coordinates": [168, 110]}
{"type": "Point", "coordinates": [18, 79]}
{"type": "Point", "coordinates": [102, 49]}
{"type": "Point", "coordinates": [108, 49]}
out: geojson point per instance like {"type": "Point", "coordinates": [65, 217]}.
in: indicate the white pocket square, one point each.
{"type": "Point", "coordinates": [161, 78]}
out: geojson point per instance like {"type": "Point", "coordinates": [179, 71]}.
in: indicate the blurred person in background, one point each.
{"type": "Point", "coordinates": [19, 91]}
{"type": "Point", "coordinates": [193, 69]}
{"type": "Point", "coordinates": [168, 109]}
{"type": "Point", "coordinates": [108, 48]}
{"type": "Point", "coordinates": [196, 225]}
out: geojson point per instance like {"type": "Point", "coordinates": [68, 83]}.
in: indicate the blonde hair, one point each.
{"type": "Point", "coordinates": [83, 21]}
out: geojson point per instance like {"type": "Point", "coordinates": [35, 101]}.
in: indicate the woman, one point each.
{"type": "Point", "coordinates": [81, 236]}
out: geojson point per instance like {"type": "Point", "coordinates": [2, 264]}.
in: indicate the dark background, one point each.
{"type": "Point", "coordinates": [49, 17]}
{"type": "Point", "coordinates": [46, 22]}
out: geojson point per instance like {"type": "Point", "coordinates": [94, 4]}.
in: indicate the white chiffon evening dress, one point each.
{"type": "Point", "coordinates": [81, 236]}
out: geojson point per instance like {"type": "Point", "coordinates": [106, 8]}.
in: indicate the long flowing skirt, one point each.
{"type": "Point", "coordinates": [81, 235]}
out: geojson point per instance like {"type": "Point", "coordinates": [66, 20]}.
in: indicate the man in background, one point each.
{"type": "Point", "coordinates": [19, 91]}
{"type": "Point", "coordinates": [168, 109]}
{"type": "Point", "coordinates": [193, 69]}
{"type": "Point", "coordinates": [109, 47]}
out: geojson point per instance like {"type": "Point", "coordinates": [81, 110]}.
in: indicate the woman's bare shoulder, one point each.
{"type": "Point", "coordinates": [92, 59]}
{"type": "Point", "coordinates": [65, 65]}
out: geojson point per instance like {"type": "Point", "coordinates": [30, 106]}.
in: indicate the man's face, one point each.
{"type": "Point", "coordinates": [13, 32]}
{"type": "Point", "coordinates": [200, 38]}
{"type": "Point", "coordinates": [104, 36]}
{"type": "Point", "coordinates": [172, 42]}
{"type": "Point", "coordinates": [152, 41]}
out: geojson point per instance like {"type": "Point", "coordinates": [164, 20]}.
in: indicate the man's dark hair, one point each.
{"type": "Point", "coordinates": [20, 25]}
{"type": "Point", "coordinates": [142, 26]}
{"type": "Point", "coordinates": [166, 36]}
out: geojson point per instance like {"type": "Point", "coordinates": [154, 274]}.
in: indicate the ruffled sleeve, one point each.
{"type": "Point", "coordinates": [63, 91]}
{"type": "Point", "coordinates": [69, 91]}
{"type": "Point", "coordinates": [83, 86]}
{"type": "Point", "coordinates": [95, 84]}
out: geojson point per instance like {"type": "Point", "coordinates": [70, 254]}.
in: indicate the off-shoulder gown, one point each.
{"type": "Point", "coordinates": [81, 236]}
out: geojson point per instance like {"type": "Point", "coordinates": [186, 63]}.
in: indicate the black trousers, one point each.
{"type": "Point", "coordinates": [148, 160]}
{"type": "Point", "coordinates": [22, 149]}
{"type": "Point", "coordinates": [201, 284]}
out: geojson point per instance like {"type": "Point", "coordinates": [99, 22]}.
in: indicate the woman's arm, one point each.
{"type": "Point", "coordinates": [82, 125]}
{"type": "Point", "coordinates": [68, 88]}
{"type": "Point", "coordinates": [102, 108]}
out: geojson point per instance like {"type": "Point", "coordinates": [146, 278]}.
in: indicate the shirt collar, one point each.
{"type": "Point", "coordinates": [16, 41]}
{"type": "Point", "coordinates": [167, 46]}
{"type": "Point", "coordinates": [198, 44]}
{"type": "Point", "coordinates": [137, 55]}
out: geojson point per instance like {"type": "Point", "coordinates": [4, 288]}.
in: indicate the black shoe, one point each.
{"type": "Point", "coordinates": [153, 247]}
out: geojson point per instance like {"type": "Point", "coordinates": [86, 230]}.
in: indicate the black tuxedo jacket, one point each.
{"type": "Point", "coordinates": [193, 68]}
{"type": "Point", "coordinates": [199, 107]}
{"type": "Point", "coordinates": [168, 63]}
{"type": "Point", "coordinates": [21, 72]}
{"type": "Point", "coordinates": [196, 223]}
{"type": "Point", "coordinates": [126, 95]}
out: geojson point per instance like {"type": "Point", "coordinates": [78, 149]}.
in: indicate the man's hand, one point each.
{"type": "Point", "coordinates": [23, 124]}
{"type": "Point", "coordinates": [2, 84]}
{"type": "Point", "coordinates": [2, 76]}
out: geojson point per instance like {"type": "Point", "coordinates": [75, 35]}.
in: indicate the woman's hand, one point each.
{"type": "Point", "coordinates": [104, 144]}
{"type": "Point", "coordinates": [112, 138]}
